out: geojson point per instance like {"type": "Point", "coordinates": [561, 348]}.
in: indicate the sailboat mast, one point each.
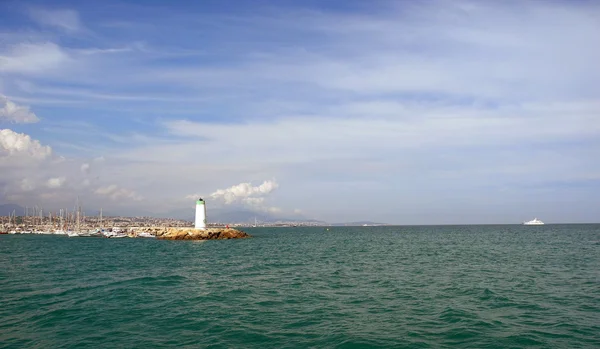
{"type": "Point", "coordinates": [78, 209]}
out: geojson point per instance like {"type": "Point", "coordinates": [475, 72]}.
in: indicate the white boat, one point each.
{"type": "Point", "coordinates": [145, 235]}
{"type": "Point", "coordinates": [114, 234]}
{"type": "Point", "coordinates": [81, 234]}
{"type": "Point", "coordinates": [119, 235]}
{"type": "Point", "coordinates": [95, 233]}
{"type": "Point", "coordinates": [535, 221]}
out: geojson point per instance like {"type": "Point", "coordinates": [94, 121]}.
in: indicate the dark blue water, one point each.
{"type": "Point", "coordinates": [413, 287]}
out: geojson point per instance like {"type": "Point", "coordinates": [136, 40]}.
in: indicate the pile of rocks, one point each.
{"type": "Point", "coordinates": [191, 233]}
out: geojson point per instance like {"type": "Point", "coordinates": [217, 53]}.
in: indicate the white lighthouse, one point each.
{"type": "Point", "coordinates": [200, 215]}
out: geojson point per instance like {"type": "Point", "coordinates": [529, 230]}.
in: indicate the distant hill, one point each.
{"type": "Point", "coordinates": [239, 216]}
{"type": "Point", "coordinates": [7, 209]}
{"type": "Point", "coordinates": [247, 217]}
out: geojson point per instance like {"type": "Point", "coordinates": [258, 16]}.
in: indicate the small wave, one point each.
{"type": "Point", "coordinates": [523, 340]}
{"type": "Point", "coordinates": [453, 315]}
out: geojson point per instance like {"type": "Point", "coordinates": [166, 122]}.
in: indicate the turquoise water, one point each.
{"type": "Point", "coordinates": [413, 287]}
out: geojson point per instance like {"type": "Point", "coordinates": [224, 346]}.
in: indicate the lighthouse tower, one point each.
{"type": "Point", "coordinates": [200, 215]}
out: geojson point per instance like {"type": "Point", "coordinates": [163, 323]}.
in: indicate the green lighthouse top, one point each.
{"type": "Point", "coordinates": [200, 202]}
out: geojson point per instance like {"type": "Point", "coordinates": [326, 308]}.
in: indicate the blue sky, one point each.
{"type": "Point", "coordinates": [394, 111]}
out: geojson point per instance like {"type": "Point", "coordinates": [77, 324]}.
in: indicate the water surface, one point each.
{"type": "Point", "coordinates": [414, 287]}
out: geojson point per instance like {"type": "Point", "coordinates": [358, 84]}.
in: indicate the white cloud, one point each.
{"type": "Point", "coordinates": [20, 144]}
{"type": "Point", "coordinates": [32, 58]}
{"type": "Point", "coordinates": [85, 168]}
{"type": "Point", "coordinates": [114, 192]}
{"type": "Point", "coordinates": [345, 133]}
{"type": "Point", "coordinates": [12, 112]}
{"type": "Point", "coordinates": [67, 20]}
{"type": "Point", "coordinates": [244, 191]}
{"type": "Point", "coordinates": [54, 183]}
{"type": "Point", "coordinates": [248, 195]}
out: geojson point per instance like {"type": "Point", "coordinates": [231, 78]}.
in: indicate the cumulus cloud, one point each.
{"type": "Point", "coordinates": [114, 192]}
{"type": "Point", "coordinates": [244, 191]}
{"type": "Point", "coordinates": [54, 183]}
{"type": "Point", "coordinates": [246, 194]}
{"type": "Point", "coordinates": [20, 144]}
{"type": "Point", "coordinates": [12, 112]}
{"type": "Point", "coordinates": [85, 168]}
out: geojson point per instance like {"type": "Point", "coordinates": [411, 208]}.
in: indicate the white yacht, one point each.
{"type": "Point", "coordinates": [535, 221]}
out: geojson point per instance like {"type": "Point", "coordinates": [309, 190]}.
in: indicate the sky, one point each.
{"type": "Point", "coordinates": [403, 112]}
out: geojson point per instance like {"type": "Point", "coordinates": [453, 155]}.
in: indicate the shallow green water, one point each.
{"type": "Point", "coordinates": [413, 287]}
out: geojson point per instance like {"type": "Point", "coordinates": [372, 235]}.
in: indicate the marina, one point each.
{"type": "Point", "coordinates": [75, 224]}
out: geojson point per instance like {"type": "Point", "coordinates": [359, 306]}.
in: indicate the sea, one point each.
{"type": "Point", "coordinates": [490, 286]}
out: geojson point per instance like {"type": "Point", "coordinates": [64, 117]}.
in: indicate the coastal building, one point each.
{"type": "Point", "coordinates": [200, 215]}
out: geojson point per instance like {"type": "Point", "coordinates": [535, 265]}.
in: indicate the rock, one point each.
{"type": "Point", "coordinates": [208, 234]}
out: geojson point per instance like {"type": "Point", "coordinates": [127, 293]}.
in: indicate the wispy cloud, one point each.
{"type": "Point", "coordinates": [29, 58]}
{"type": "Point", "coordinates": [63, 19]}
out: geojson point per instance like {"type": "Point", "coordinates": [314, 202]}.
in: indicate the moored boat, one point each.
{"type": "Point", "coordinates": [145, 235]}
{"type": "Point", "coordinates": [114, 234]}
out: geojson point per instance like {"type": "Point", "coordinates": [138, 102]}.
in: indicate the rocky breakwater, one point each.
{"type": "Point", "coordinates": [193, 234]}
